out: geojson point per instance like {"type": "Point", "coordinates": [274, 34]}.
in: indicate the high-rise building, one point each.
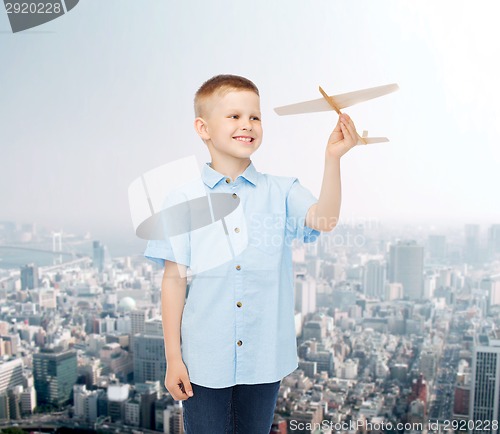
{"type": "Point", "coordinates": [305, 294]}
{"type": "Point", "coordinates": [117, 397]}
{"type": "Point", "coordinates": [492, 287]}
{"type": "Point", "coordinates": [149, 358]}
{"type": "Point", "coordinates": [85, 402]}
{"type": "Point", "coordinates": [485, 386]}
{"type": "Point", "coordinates": [55, 372]}
{"type": "Point", "coordinates": [419, 390]}
{"type": "Point", "coordinates": [406, 266]}
{"type": "Point", "coordinates": [461, 396]}
{"type": "Point", "coordinates": [437, 247]}
{"type": "Point", "coordinates": [427, 364]}
{"type": "Point", "coordinates": [374, 276]}
{"type": "Point", "coordinates": [324, 361]}
{"type": "Point", "coordinates": [132, 411]}
{"type": "Point", "coordinates": [4, 406]}
{"type": "Point", "coordinates": [160, 406]}
{"type": "Point", "coordinates": [153, 326]}
{"type": "Point", "coordinates": [494, 239]}
{"type": "Point", "coordinates": [28, 400]}
{"type": "Point", "coordinates": [11, 374]}
{"type": "Point", "coordinates": [147, 408]}
{"type": "Point", "coordinates": [99, 255]}
{"type": "Point", "coordinates": [472, 244]}
{"type": "Point", "coordinates": [29, 276]}
{"type": "Point", "coordinates": [173, 419]}
{"type": "Point", "coordinates": [138, 319]}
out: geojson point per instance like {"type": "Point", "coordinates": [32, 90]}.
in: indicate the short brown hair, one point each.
{"type": "Point", "coordinates": [220, 84]}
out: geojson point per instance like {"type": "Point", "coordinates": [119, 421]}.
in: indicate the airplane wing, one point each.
{"type": "Point", "coordinates": [341, 101]}
{"type": "Point", "coordinates": [368, 140]}
{"type": "Point", "coordinates": [365, 140]}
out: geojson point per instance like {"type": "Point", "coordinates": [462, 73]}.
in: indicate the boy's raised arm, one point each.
{"type": "Point", "coordinates": [173, 294]}
{"type": "Point", "coordinates": [324, 214]}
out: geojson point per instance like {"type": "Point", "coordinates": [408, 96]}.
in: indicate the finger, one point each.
{"type": "Point", "coordinates": [350, 125]}
{"type": "Point", "coordinates": [337, 127]}
{"type": "Point", "coordinates": [348, 118]}
{"type": "Point", "coordinates": [188, 389]}
{"type": "Point", "coordinates": [346, 132]}
{"type": "Point", "coordinates": [176, 391]}
{"type": "Point", "coordinates": [351, 131]}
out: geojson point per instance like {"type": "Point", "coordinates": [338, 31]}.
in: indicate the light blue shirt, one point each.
{"type": "Point", "coordinates": [238, 323]}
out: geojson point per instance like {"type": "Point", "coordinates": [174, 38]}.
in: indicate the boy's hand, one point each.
{"type": "Point", "coordinates": [177, 381]}
{"type": "Point", "coordinates": [343, 137]}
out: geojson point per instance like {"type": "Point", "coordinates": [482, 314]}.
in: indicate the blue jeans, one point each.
{"type": "Point", "coordinates": [240, 409]}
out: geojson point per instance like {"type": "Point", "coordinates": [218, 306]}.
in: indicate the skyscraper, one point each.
{"type": "Point", "coordinates": [472, 244]}
{"type": "Point", "coordinates": [149, 358]}
{"type": "Point", "coordinates": [99, 255]}
{"type": "Point", "coordinates": [494, 239]}
{"type": "Point", "coordinates": [485, 387]}
{"type": "Point", "coordinates": [29, 276]}
{"type": "Point", "coordinates": [437, 247]}
{"type": "Point", "coordinates": [305, 294]}
{"type": "Point", "coordinates": [55, 372]}
{"type": "Point", "coordinates": [374, 279]}
{"type": "Point", "coordinates": [11, 374]}
{"type": "Point", "coordinates": [149, 352]}
{"type": "Point", "coordinates": [492, 287]}
{"type": "Point", "coordinates": [138, 318]}
{"type": "Point", "coordinates": [406, 266]}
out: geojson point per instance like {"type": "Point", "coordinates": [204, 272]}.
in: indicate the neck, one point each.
{"type": "Point", "coordinates": [231, 168]}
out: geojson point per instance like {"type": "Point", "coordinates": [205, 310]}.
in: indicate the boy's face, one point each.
{"type": "Point", "coordinates": [231, 126]}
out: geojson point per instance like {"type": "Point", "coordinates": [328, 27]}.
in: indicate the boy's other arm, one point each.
{"type": "Point", "coordinates": [173, 294]}
{"type": "Point", "coordinates": [324, 214]}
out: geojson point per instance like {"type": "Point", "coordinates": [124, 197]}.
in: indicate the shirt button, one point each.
{"type": "Point", "coordinates": [240, 343]}
{"type": "Point", "coordinates": [235, 195]}
{"type": "Point", "coordinates": [228, 180]}
{"type": "Point", "coordinates": [237, 230]}
{"type": "Point", "coordinates": [238, 267]}
{"type": "Point", "coordinates": [239, 304]}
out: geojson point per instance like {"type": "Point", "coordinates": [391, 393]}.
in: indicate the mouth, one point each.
{"type": "Point", "coordinates": [244, 139]}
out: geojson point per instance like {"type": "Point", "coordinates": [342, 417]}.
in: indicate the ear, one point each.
{"type": "Point", "coordinates": [200, 127]}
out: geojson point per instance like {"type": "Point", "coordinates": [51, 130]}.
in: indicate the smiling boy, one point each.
{"type": "Point", "coordinates": [232, 340]}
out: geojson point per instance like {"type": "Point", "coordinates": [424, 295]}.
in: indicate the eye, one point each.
{"type": "Point", "coordinates": [233, 117]}
{"type": "Point", "coordinates": [255, 118]}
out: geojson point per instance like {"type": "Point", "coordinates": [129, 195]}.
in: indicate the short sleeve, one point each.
{"type": "Point", "coordinates": [174, 246]}
{"type": "Point", "coordinates": [299, 200]}
{"type": "Point", "coordinates": [160, 250]}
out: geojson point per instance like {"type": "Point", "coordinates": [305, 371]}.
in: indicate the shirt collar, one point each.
{"type": "Point", "coordinates": [211, 177]}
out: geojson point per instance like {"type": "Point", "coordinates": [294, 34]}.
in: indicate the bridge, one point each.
{"type": "Point", "coordinates": [33, 249]}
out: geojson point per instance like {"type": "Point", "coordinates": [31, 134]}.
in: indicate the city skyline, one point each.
{"type": "Point", "coordinates": [389, 331]}
{"type": "Point", "coordinates": [126, 106]}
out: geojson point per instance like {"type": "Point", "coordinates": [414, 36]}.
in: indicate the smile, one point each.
{"type": "Point", "coordinates": [244, 139]}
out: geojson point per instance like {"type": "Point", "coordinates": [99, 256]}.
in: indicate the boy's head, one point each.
{"type": "Point", "coordinates": [227, 109]}
{"type": "Point", "coordinates": [218, 86]}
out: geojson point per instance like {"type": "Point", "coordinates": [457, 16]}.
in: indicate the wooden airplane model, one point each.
{"type": "Point", "coordinates": [337, 102]}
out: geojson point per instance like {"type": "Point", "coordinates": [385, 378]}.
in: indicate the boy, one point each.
{"type": "Point", "coordinates": [236, 327]}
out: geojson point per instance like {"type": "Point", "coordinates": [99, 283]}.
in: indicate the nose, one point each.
{"type": "Point", "coordinates": [246, 125]}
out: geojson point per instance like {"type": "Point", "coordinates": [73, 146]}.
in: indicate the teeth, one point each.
{"type": "Point", "coordinates": [244, 139]}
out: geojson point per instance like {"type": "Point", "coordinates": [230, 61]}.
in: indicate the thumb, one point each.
{"type": "Point", "coordinates": [188, 389]}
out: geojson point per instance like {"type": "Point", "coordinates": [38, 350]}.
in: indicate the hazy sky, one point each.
{"type": "Point", "coordinates": [92, 100]}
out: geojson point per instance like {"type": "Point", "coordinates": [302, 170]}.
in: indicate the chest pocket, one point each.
{"type": "Point", "coordinates": [267, 232]}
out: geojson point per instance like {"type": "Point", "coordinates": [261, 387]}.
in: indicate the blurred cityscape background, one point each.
{"type": "Point", "coordinates": [395, 325]}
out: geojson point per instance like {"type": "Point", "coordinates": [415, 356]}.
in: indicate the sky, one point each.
{"type": "Point", "coordinates": [92, 100]}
